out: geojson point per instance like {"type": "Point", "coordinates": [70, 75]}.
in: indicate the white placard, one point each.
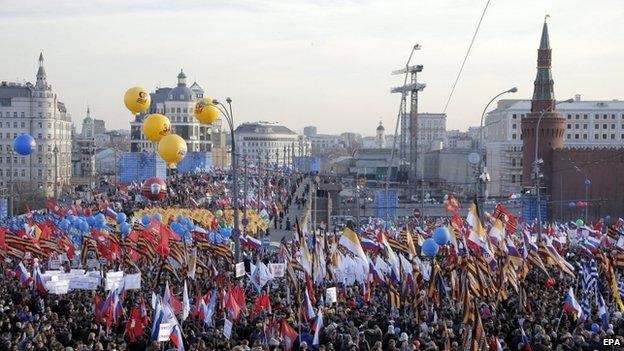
{"type": "Point", "coordinates": [93, 263]}
{"type": "Point", "coordinates": [164, 331]}
{"type": "Point", "coordinates": [331, 295]}
{"type": "Point", "coordinates": [227, 329]}
{"type": "Point", "coordinates": [277, 269]}
{"type": "Point", "coordinates": [240, 269]}
{"type": "Point", "coordinates": [84, 283]}
{"type": "Point", "coordinates": [133, 281]}
{"type": "Point", "coordinates": [113, 280]}
{"type": "Point", "coordinates": [77, 271]}
{"type": "Point", "coordinates": [620, 242]}
{"type": "Point", "coordinates": [54, 264]}
{"type": "Point", "coordinates": [57, 286]}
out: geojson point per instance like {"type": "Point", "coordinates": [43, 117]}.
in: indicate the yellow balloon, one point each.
{"type": "Point", "coordinates": [156, 126]}
{"type": "Point", "coordinates": [172, 149]}
{"type": "Point", "coordinates": [205, 111]}
{"type": "Point", "coordinates": [137, 99]}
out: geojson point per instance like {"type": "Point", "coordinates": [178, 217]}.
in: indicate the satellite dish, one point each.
{"type": "Point", "coordinates": [474, 158]}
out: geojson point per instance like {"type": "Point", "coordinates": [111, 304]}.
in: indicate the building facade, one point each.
{"type": "Point", "coordinates": [269, 142]}
{"type": "Point", "coordinates": [35, 110]}
{"type": "Point", "coordinates": [83, 151]}
{"type": "Point", "coordinates": [178, 104]}
{"type": "Point", "coordinates": [431, 130]}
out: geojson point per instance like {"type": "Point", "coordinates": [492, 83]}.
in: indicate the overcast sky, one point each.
{"type": "Point", "coordinates": [325, 63]}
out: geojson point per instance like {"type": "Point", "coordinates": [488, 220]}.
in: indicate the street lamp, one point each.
{"type": "Point", "coordinates": [586, 183]}
{"type": "Point", "coordinates": [536, 165]}
{"type": "Point", "coordinates": [229, 117]}
{"type": "Point", "coordinates": [483, 177]}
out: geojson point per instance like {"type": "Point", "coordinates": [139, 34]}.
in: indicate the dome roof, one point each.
{"type": "Point", "coordinates": [380, 127]}
{"type": "Point", "coordinates": [181, 74]}
{"type": "Point", "coordinates": [181, 93]}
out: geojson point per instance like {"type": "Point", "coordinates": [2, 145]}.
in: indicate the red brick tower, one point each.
{"type": "Point", "coordinates": [552, 125]}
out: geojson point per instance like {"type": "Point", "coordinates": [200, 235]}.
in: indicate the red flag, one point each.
{"type": "Point", "coordinates": [263, 303]}
{"type": "Point", "coordinates": [3, 244]}
{"type": "Point", "coordinates": [289, 334]}
{"type": "Point", "coordinates": [134, 326]}
{"type": "Point", "coordinates": [163, 246]}
{"type": "Point", "coordinates": [232, 305]}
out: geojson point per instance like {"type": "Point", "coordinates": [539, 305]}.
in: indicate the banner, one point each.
{"type": "Point", "coordinates": [277, 269]}
{"type": "Point", "coordinates": [164, 331]}
{"type": "Point", "coordinates": [331, 295]}
{"type": "Point", "coordinates": [227, 329]}
{"type": "Point", "coordinates": [133, 281]}
{"type": "Point", "coordinates": [113, 280]}
{"type": "Point", "coordinates": [240, 269]}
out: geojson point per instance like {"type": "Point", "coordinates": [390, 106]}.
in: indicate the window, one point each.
{"type": "Point", "coordinates": [576, 136]}
{"type": "Point", "coordinates": [39, 148]}
{"type": "Point", "coordinates": [39, 173]}
{"type": "Point", "coordinates": [585, 126]}
{"type": "Point", "coordinates": [23, 172]}
{"type": "Point", "coordinates": [576, 126]}
{"type": "Point", "coordinates": [178, 110]}
{"type": "Point", "coordinates": [576, 117]}
{"type": "Point", "coordinates": [612, 136]}
{"type": "Point", "coordinates": [40, 125]}
{"type": "Point", "coordinates": [513, 162]}
{"type": "Point", "coordinates": [596, 126]}
{"type": "Point", "coordinates": [513, 126]}
{"type": "Point", "coordinates": [613, 126]}
{"type": "Point", "coordinates": [39, 160]}
{"type": "Point", "coordinates": [15, 114]}
{"type": "Point", "coordinates": [23, 125]}
{"type": "Point", "coordinates": [596, 136]}
{"type": "Point", "coordinates": [569, 126]}
{"type": "Point", "coordinates": [39, 136]}
{"type": "Point", "coordinates": [613, 116]}
{"type": "Point", "coordinates": [513, 178]}
{"type": "Point", "coordinates": [604, 126]}
{"type": "Point", "coordinates": [514, 116]}
{"type": "Point", "coordinates": [14, 124]}
{"type": "Point", "coordinates": [23, 115]}
{"type": "Point", "coordinates": [604, 136]}
{"type": "Point", "coordinates": [604, 116]}
{"type": "Point", "coordinates": [513, 136]}
{"type": "Point", "coordinates": [569, 116]}
{"type": "Point", "coordinates": [49, 148]}
{"type": "Point", "coordinates": [584, 136]}
{"type": "Point", "coordinates": [585, 116]}
{"type": "Point", "coordinates": [568, 136]}
{"type": "Point", "coordinates": [596, 116]}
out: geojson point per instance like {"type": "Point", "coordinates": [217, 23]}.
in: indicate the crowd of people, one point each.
{"type": "Point", "coordinates": [334, 292]}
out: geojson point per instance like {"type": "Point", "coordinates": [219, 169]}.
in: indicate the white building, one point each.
{"type": "Point", "coordinates": [323, 143]}
{"type": "Point", "coordinates": [178, 104]}
{"type": "Point", "coordinates": [269, 141]}
{"type": "Point", "coordinates": [431, 130]}
{"type": "Point", "coordinates": [596, 123]}
{"type": "Point", "coordinates": [83, 150]}
{"type": "Point", "coordinates": [35, 110]}
{"type": "Point", "coordinates": [380, 137]}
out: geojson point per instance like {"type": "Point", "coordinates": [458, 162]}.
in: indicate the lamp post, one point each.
{"type": "Point", "coordinates": [536, 165]}
{"type": "Point", "coordinates": [482, 177]}
{"type": "Point", "coordinates": [229, 117]}
{"type": "Point", "coordinates": [586, 184]}
{"type": "Point", "coordinates": [11, 203]}
{"type": "Point", "coordinates": [245, 221]}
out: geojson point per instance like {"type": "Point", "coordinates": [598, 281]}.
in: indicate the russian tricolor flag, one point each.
{"type": "Point", "coordinates": [23, 275]}
{"type": "Point", "coordinates": [571, 305]}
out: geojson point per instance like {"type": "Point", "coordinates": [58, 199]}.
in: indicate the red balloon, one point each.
{"type": "Point", "coordinates": [88, 212]}
{"type": "Point", "coordinates": [550, 282]}
{"type": "Point", "coordinates": [154, 189]}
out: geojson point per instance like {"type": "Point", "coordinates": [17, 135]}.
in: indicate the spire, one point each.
{"type": "Point", "coordinates": [544, 42]}
{"type": "Point", "coordinates": [41, 74]}
{"type": "Point", "coordinates": [88, 111]}
{"type": "Point", "coordinates": [543, 93]}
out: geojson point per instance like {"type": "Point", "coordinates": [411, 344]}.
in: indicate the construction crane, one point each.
{"type": "Point", "coordinates": [408, 137]}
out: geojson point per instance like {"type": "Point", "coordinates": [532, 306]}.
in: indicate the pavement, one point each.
{"type": "Point", "coordinates": [293, 214]}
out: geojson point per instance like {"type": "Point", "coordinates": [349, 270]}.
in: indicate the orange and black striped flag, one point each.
{"type": "Point", "coordinates": [394, 299]}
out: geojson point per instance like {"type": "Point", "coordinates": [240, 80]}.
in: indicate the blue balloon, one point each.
{"type": "Point", "coordinates": [430, 248]}
{"type": "Point", "coordinates": [158, 217]}
{"type": "Point", "coordinates": [441, 236]}
{"type": "Point", "coordinates": [83, 226]}
{"type": "Point", "coordinates": [71, 219]}
{"type": "Point", "coordinates": [178, 228]}
{"type": "Point", "coordinates": [146, 220]}
{"type": "Point", "coordinates": [124, 228]}
{"type": "Point", "coordinates": [64, 224]}
{"type": "Point", "coordinates": [397, 330]}
{"type": "Point", "coordinates": [24, 144]}
{"type": "Point", "coordinates": [100, 219]}
{"type": "Point", "coordinates": [226, 232]}
{"type": "Point", "coordinates": [572, 204]}
{"type": "Point", "coordinates": [121, 217]}
{"type": "Point", "coordinates": [595, 328]}
{"type": "Point", "coordinates": [91, 220]}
